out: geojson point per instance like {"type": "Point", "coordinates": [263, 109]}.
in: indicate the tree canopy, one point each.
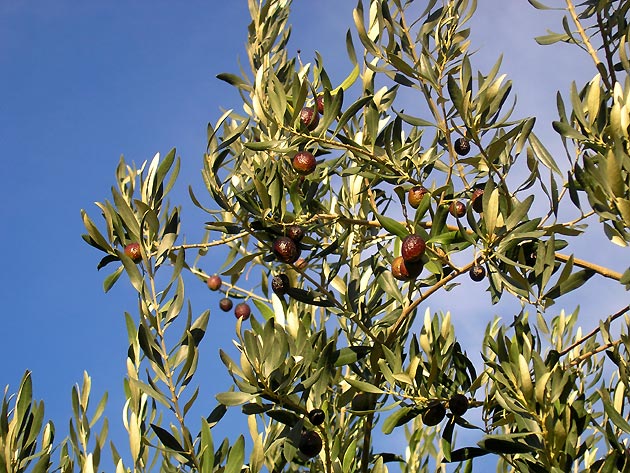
{"type": "Point", "coordinates": [343, 210]}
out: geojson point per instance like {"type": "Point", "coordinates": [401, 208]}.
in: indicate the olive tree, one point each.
{"type": "Point", "coordinates": [346, 213]}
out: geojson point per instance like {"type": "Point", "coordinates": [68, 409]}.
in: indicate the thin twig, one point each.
{"type": "Point", "coordinates": [376, 223]}
{"type": "Point", "coordinates": [606, 43]}
{"type": "Point", "coordinates": [587, 42]}
{"type": "Point", "coordinates": [250, 294]}
{"type": "Point", "coordinates": [210, 244]}
{"type": "Point", "coordinates": [411, 307]}
{"type": "Point", "coordinates": [595, 331]}
{"type": "Point", "coordinates": [586, 356]}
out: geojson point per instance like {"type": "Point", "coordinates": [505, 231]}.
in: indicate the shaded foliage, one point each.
{"type": "Point", "coordinates": [345, 336]}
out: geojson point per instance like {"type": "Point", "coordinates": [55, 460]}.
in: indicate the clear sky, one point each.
{"type": "Point", "coordinates": [83, 82]}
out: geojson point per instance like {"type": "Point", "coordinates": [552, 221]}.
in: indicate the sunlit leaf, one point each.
{"type": "Point", "coordinates": [233, 398]}
{"type": "Point", "coordinates": [236, 456]}
{"type": "Point", "coordinates": [392, 226]}
{"type": "Point", "coordinates": [364, 386]}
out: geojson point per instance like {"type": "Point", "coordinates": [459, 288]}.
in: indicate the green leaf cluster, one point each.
{"type": "Point", "coordinates": [345, 335]}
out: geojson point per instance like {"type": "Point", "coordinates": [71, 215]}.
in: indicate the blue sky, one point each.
{"type": "Point", "coordinates": [84, 82]}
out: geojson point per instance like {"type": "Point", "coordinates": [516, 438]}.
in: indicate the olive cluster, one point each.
{"type": "Point", "coordinates": [242, 309]}
{"type": "Point", "coordinates": [408, 265]}
{"type": "Point", "coordinates": [402, 268]}
{"type": "Point", "coordinates": [436, 410]}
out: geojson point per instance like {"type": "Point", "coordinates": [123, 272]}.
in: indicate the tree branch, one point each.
{"type": "Point", "coordinates": [603, 271]}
